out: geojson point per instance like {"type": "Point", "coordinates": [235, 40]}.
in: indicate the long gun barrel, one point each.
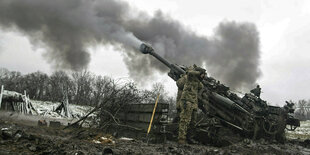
{"type": "Point", "coordinates": [175, 70]}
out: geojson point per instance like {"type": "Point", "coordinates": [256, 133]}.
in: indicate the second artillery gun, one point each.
{"type": "Point", "coordinates": [249, 116]}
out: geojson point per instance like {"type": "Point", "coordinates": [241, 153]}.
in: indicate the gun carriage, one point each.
{"type": "Point", "coordinates": [250, 116]}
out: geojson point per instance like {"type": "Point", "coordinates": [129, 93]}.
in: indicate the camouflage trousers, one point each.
{"type": "Point", "coordinates": [187, 119]}
{"type": "Point", "coordinates": [178, 107]}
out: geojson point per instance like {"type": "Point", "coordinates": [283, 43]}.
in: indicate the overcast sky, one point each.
{"type": "Point", "coordinates": [283, 25]}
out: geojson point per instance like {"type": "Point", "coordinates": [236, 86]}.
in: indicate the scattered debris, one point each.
{"type": "Point", "coordinates": [63, 109]}
{"type": "Point", "coordinates": [55, 124]}
{"type": "Point", "coordinates": [32, 148]}
{"type": "Point", "coordinates": [48, 109]}
{"type": "Point", "coordinates": [42, 123]}
{"type": "Point", "coordinates": [14, 101]}
{"type": "Point", "coordinates": [6, 133]}
{"type": "Point", "coordinates": [126, 139]}
{"type": "Point", "coordinates": [108, 139]}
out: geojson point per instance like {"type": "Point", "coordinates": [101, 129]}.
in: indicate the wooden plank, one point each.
{"type": "Point", "coordinates": [26, 103]}
{"type": "Point", "coordinates": [1, 93]}
{"type": "Point", "coordinates": [68, 114]}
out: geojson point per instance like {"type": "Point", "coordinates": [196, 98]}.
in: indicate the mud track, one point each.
{"type": "Point", "coordinates": [23, 138]}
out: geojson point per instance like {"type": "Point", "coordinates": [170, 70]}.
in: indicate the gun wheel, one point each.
{"type": "Point", "coordinates": [270, 126]}
{"type": "Point", "coordinates": [291, 127]}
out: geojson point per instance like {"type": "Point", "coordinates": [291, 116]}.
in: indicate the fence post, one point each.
{"type": "Point", "coordinates": [1, 93]}
{"type": "Point", "coordinates": [25, 103]}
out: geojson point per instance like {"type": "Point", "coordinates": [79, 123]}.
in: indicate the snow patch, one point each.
{"type": "Point", "coordinates": [47, 109]}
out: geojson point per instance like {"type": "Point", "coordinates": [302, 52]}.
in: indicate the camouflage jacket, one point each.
{"type": "Point", "coordinates": [180, 84]}
{"type": "Point", "coordinates": [192, 86]}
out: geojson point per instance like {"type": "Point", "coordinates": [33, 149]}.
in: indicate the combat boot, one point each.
{"type": "Point", "coordinates": [181, 141]}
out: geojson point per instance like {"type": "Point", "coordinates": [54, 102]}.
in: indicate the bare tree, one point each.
{"type": "Point", "coordinates": [12, 80]}
{"type": "Point", "coordinates": [83, 87]}
{"type": "Point", "coordinates": [100, 86]}
{"type": "Point", "coordinates": [36, 84]}
{"type": "Point", "coordinates": [307, 109]}
{"type": "Point", "coordinates": [3, 73]}
{"type": "Point", "coordinates": [301, 109]}
{"type": "Point", "coordinates": [59, 85]}
{"type": "Point", "coordinates": [151, 95]}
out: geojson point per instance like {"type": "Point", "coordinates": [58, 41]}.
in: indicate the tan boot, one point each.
{"type": "Point", "coordinates": [182, 141]}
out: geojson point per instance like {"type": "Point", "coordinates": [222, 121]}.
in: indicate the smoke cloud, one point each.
{"type": "Point", "coordinates": [68, 28]}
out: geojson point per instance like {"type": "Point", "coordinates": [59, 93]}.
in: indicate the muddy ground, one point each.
{"type": "Point", "coordinates": [20, 137]}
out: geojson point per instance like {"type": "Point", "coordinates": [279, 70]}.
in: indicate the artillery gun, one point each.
{"type": "Point", "coordinates": [249, 116]}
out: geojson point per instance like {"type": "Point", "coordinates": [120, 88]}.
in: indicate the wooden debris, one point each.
{"type": "Point", "coordinates": [63, 109]}
{"type": "Point", "coordinates": [13, 101]}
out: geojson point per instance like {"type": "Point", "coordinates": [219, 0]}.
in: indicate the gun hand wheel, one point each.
{"type": "Point", "coordinates": [270, 126]}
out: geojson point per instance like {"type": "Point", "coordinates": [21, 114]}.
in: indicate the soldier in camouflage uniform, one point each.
{"type": "Point", "coordinates": [180, 84]}
{"type": "Point", "coordinates": [256, 91]}
{"type": "Point", "coordinates": [189, 101]}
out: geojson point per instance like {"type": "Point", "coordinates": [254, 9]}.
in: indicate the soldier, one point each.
{"type": "Point", "coordinates": [256, 91]}
{"type": "Point", "coordinates": [189, 102]}
{"type": "Point", "coordinates": [180, 84]}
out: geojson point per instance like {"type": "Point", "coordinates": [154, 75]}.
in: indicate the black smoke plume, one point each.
{"type": "Point", "coordinates": [67, 28]}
